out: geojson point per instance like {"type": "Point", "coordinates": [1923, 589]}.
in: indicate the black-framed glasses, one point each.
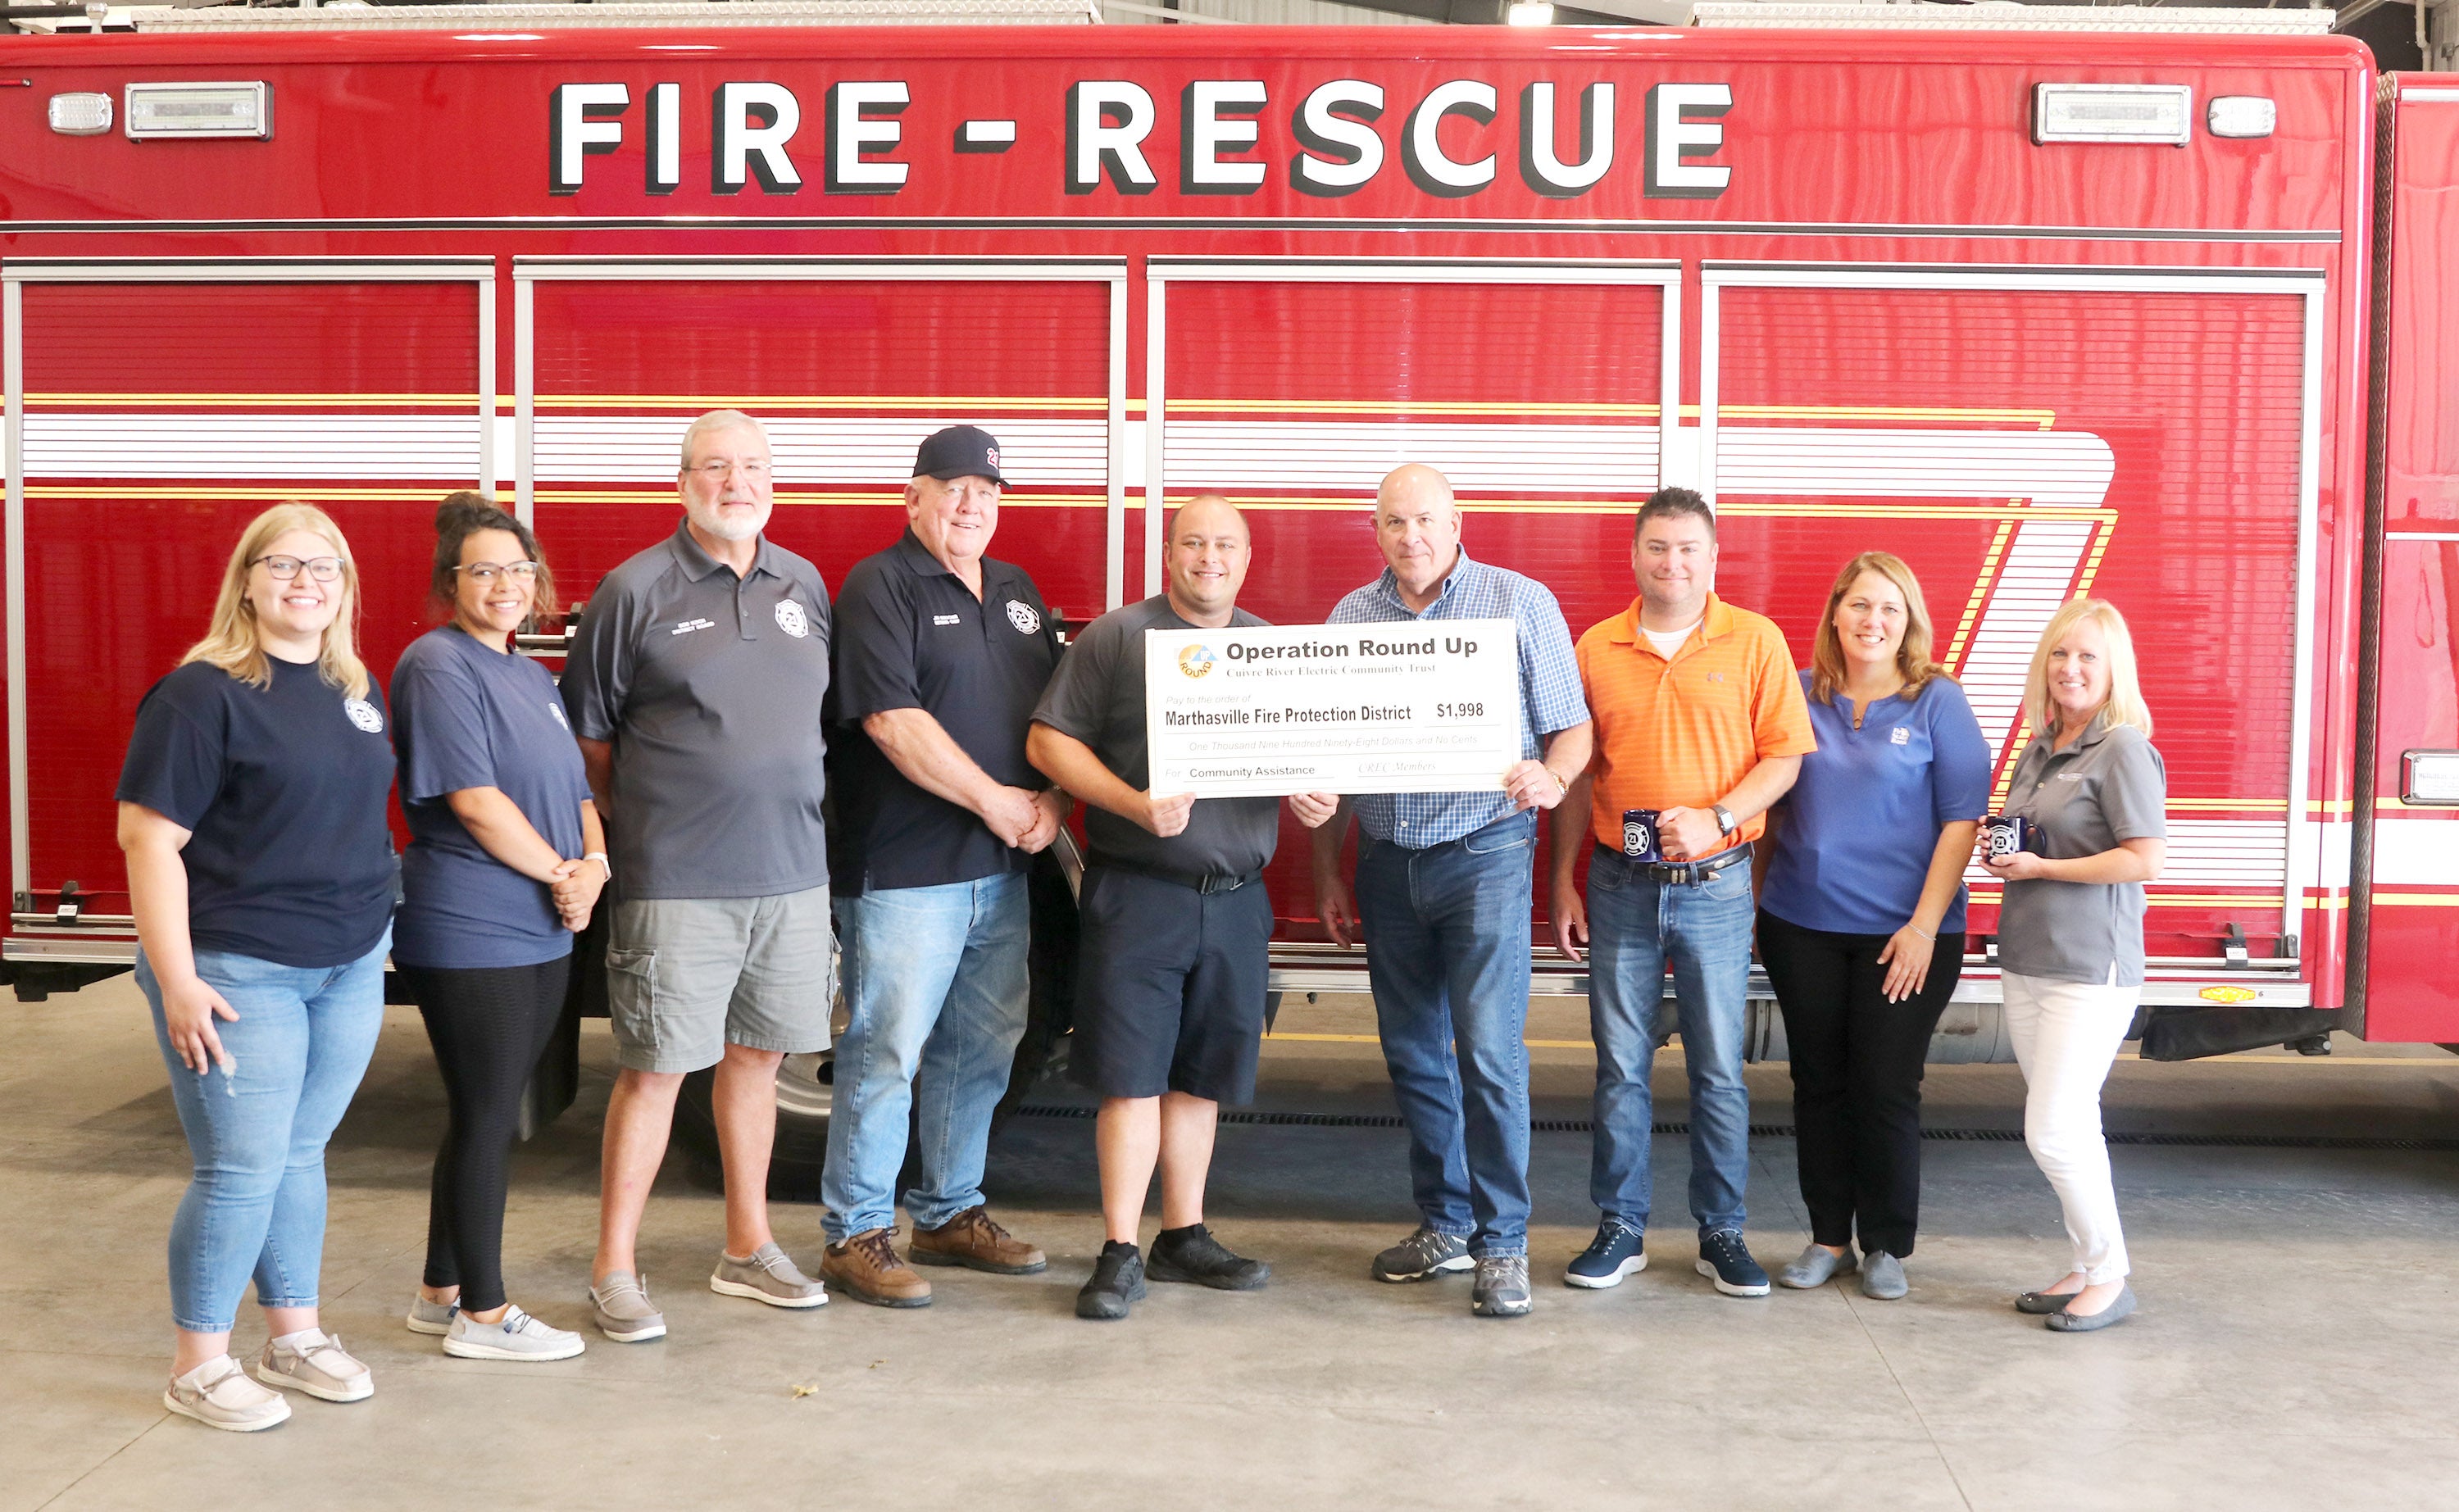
{"type": "Point", "coordinates": [324, 569]}
{"type": "Point", "coordinates": [488, 571]}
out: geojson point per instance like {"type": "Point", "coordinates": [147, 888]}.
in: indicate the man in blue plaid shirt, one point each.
{"type": "Point", "coordinates": [1443, 896]}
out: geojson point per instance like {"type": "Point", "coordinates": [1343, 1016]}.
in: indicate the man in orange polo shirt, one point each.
{"type": "Point", "coordinates": [1700, 726]}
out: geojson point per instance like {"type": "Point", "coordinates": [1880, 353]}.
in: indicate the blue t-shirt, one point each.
{"type": "Point", "coordinates": [465, 716]}
{"type": "Point", "coordinates": [1862, 821]}
{"type": "Point", "coordinates": [281, 788]}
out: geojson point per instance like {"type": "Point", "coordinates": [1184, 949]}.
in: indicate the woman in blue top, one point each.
{"type": "Point", "coordinates": [261, 872]}
{"type": "Point", "coordinates": [505, 862]}
{"type": "Point", "coordinates": [1862, 916]}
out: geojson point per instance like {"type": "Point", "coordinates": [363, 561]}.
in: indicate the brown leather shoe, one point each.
{"type": "Point", "coordinates": [975, 1240]}
{"type": "Point", "coordinates": [865, 1268]}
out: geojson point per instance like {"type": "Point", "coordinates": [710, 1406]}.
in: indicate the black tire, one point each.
{"type": "Point", "coordinates": [805, 1084]}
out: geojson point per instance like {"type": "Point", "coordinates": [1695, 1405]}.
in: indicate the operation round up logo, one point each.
{"type": "Point", "coordinates": [1195, 661]}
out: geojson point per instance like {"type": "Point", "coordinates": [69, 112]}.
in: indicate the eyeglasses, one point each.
{"type": "Point", "coordinates": [324, 569]}
{"type": "Point", "coordinates": [715, 472]}
{"type": "Point", "coordinates": [488, 572]}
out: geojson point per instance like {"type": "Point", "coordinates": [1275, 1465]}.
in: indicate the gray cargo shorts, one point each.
{"type": "Point", "coordinates": [687, 977]}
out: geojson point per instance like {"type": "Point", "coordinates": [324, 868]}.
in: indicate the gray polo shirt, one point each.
{"type": "Point", "coordinates": [2108, 785]}
{"type": "Point", "coordinates": [711, 687]}
{"type": "Point", "coordinates": [1097, 696]}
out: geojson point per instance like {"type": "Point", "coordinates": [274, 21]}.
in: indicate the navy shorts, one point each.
{"type": "Point", "coordinates": [1170, 988]}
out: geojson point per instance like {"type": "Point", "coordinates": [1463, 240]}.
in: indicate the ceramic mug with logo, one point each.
{"type": "Point", "coordinates": [1640, 835]}
{"type": "Point", "coordinates": [2008, 833]}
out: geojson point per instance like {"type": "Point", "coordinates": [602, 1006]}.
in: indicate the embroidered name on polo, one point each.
{"type": "Point", "coordinates": [947, 620]}
{"type": "Point", "coordinates": [688, 626]}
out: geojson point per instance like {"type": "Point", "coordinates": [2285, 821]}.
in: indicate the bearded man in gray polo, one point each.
{"type": "Point", "coordinates": [694, 685]}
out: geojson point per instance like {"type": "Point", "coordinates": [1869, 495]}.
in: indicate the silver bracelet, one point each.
{"type": "Point", "coordinates": [1922, 933]}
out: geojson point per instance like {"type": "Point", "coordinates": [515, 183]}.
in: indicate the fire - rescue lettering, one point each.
{"type": "Point", "coordinates": [1340, 146]}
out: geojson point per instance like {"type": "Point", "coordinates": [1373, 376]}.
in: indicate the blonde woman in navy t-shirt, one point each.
{"type": "Point", "coordinates": [505, 862]}
{"type": "Point", "coordinates": [1862, 916]}
{"type": "Point", "coordinates": [261, 872]}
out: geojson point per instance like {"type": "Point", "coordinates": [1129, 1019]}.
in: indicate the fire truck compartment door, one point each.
{"type": "Point", "coordinates": [2025, 438]}
{"type": "Point", "coordinates": [153, 410]}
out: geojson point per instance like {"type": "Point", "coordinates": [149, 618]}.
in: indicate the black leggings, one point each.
{"type": "Point", "coordinates": [489, 1025]}
{"type": "Point", "coordinates": [1856, 1073]}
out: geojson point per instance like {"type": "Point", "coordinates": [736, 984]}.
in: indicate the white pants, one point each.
{"type": "Point", "coordinates": [2066, 1035]}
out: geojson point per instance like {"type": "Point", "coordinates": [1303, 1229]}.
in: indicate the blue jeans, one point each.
{"type": "Point", "coordinates": [1447, 955]}
{"type": "Point", "coordinates": [936, 990]}
{"type": "Point", "coordinates": [1636, 927]}
{"type": "Point", "coordinates": [256, 1203]}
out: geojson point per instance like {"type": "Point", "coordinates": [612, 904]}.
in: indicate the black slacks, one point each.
{"type": "Point", "coordinates": [489, 1026]}
{"type": "Point", "coordinates": [1857, 1072]}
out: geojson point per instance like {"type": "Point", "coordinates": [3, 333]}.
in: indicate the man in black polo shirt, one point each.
{"type": "Point", "coordinates": [941, 653]}
{"type": "Point", "coordinates": [1169, 1007]}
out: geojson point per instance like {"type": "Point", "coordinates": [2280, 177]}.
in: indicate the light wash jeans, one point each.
{"type": "Point", "coordinates": [1447, 955]}
{"type": "Point", "coordinates": [936, 988]}
{"type": "Point", "coordinates": [1636, 928]}
{"type": "Point", "coordinates": [2066, 1035]}
{"type": "Point", "coordinates": [256, 1203]}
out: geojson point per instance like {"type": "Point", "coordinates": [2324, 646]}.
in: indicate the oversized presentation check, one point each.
{"type": "Point", "coordinates": [1409, 706]}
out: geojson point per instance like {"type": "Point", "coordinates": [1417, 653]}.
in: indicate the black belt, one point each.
{"type": "Point", "coordinates": [1680, 874]}
{"type": "Point", "coordinates": [1209, 882]}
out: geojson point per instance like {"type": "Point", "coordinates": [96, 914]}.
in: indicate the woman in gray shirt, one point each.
{"type": "Point", "coordinates": [2071, 930]}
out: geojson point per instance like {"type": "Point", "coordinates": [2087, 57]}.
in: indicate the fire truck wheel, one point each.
{"type": "Point", "coordinates": [805, 1084]}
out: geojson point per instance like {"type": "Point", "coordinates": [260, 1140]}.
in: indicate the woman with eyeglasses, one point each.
{"type": "Point", "coordinates": [505, 863]}
{"type": "Point", "coordinates": [261, 872]}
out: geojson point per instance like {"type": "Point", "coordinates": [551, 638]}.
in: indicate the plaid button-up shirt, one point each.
{"type": "Point", "coordinates": [1551, 699]}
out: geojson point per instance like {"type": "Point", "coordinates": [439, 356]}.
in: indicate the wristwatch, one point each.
{"type": "Point", "coordinates": [1726, 823]}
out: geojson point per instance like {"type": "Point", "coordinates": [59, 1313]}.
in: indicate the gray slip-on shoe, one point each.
{"type": "Point", "coordinates": [1816, 1266]}
{"type": "Point", "coordinates": [514, 1336]}
{"type": "Point", "coordinates": [766, 1276]}
{"type": "Point", "coordinates": [219, 1395]}
{"type": "Point", "coordinates": [320, 1367]}
{"type": "Point", "coordinates": [1882, 1276]}
{"type": "Point", "coordinates": [2120, 1307]}
{"type": "Point", "coordinates": [622, 1312]}
{"type": "Point", "coordinates": [2036, 1304]}
{"type": "Point", "coordinates": [432, 1317]}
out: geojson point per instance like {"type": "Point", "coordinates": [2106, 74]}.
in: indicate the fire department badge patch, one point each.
{"type": "Point", "coordinates": [790, 619]}
{"type": "Point", "coordinates": [364, 715]}
{"type": "Point", "coordinates": [1022, 617]}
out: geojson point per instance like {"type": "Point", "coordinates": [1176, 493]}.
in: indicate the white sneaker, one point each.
{"type": "Point", "coordinates": [319, 1366]}
{"type": "Point", "coordinates": [219, 1395]}
{"type": "Point", "coordinates": [514, 1336]}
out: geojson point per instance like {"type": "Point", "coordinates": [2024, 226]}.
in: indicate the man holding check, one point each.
{"type": "Point", "coordinates": [1169, 1007]}
{"type": "Point", "coordinates": [1443, 896]}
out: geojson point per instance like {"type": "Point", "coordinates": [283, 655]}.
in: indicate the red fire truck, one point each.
{"type": "Point", "coordinates": [2173, 319]}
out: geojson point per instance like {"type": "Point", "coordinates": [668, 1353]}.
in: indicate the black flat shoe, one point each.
{"type": "Point", "coordinates": [2121, 1306]}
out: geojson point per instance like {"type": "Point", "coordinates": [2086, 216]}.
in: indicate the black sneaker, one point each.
{"type": "Point", "coordinates": [1614, 1253]}
{"type": "Point", "coordinates": [1422, 1255]}
{"type": "Point", "coordinates": [1192, 1254]}
{"type": "Point", "coordinates": [1724, 1259]}
{"type": "Point", "coordinates": [1501, 1286]}
{"type": "Point", "coordinates": [1118, 1282]}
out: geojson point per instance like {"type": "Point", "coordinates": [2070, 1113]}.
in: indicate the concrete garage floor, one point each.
{"type": "Point", "coordinates": [2297, 1344]}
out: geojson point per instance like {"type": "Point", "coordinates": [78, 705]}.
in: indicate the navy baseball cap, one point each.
{"type": "Point", "coordinates": [959, 452]}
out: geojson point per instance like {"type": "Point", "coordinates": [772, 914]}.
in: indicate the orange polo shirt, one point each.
{"type": "Point", "coordinates": [1680, 734]}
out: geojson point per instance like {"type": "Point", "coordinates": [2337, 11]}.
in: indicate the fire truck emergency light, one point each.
{"type": "Point", "coordinates": [2241, 116]}
{"type": "Point", "coordinates": [2428, 777]}
{"type": "Point", "coordinates": [80, 114]}
{"type": "Point", "coordinates": [2114, 112]}
{"type": "Point", "coordinates": [166, 112]}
